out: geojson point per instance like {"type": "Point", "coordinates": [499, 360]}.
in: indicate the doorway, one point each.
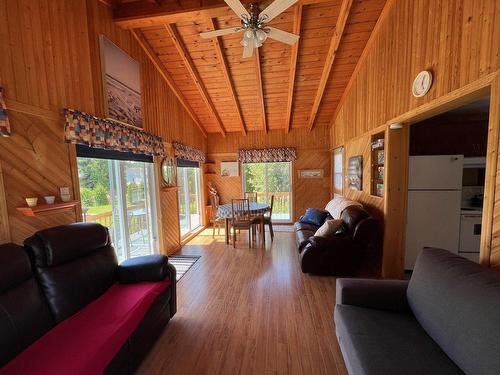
{"type": "Point", "coordinates": [446, 182]}
{"type": "Point", "coordinates": [271, 179]}
{"type": "Point", "coordinates": [188, 182]}
{"type": "Point", "coordinates": [119, 194]}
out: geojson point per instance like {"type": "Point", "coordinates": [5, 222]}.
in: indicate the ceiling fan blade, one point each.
{"type": "Point", "coordinates": [248, 49]}
{"type": "Point", "coordinates": [220, 32]}
{"type": "Point", "coordinates": [282, 36]}
{"type": "Point", "coordinates": [237, 8]}
{"type": "Point", "coordinates": [275, 9]}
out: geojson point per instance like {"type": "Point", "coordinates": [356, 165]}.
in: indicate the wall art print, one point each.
{"type": "Point", "coordinates": [355, 173]}
{"type": "Point", "coordinates": [122, 85]}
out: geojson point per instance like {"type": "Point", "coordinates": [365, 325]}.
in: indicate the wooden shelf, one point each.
{"type": "Point", "coordinates": [46, 208]}
{"type": "Point", "coordinates": [210, 173]}
{"type": "Point", "coordinates": [210, 163]}
{"type": "Point", "coordinates": [169, 188]}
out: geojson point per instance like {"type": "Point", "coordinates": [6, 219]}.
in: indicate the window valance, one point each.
{"type": "Point", "coordinates": [4, 120]}
{"type": "Point", "coordinates": [267, 155]}
{"type": "Point", "coordinates": [82, 128]}
{"type": "Point", "coordinates": [186, 152]}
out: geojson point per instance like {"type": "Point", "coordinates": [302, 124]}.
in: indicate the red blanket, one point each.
{"type": "Point", "coordinates": [86, 342]}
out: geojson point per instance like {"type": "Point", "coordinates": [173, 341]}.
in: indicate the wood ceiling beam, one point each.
{"type": "Point", "coordinates": [330, 58]}
{"type": "Point", "coordinates": [138, 14]}
{"type": "Point", "coordinates": [227, 77]}
{"type": "Point", "coordinates": [167, 78]}
{"type": "Point", "coordinates": [188, 62]}
{"type": "Point", "coordinates": [297, 20]}
{"type": "Point", "coordinates": [385, 11]}
{"type": "Point", "coordinates": [260, 90]}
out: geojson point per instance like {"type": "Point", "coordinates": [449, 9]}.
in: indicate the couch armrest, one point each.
{"type": "Point", "coordinates": [145, 268]}
{"type": "Point", "coordinates": [372, 293]}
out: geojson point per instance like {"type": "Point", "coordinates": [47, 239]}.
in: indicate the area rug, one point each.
{"type": "Point", "coordinates": [183, 263]}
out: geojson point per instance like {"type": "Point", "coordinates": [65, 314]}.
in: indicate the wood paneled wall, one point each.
{"type": "Point", "coordinates": [361, 146]}
{"type": "Point", "coordinates": [50, 60]}
{"type": "Point", "coordinates": [457, 40]}
{"type": "Point", "coordinates": [312, 153]}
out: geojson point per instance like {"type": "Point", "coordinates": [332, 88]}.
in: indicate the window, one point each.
{"type": "Point", "coordinates": [188, 181]}
{"type": "Point", "coordinates": [269, 179]}
{"type": "Point", "coordinates": [119, 194]}
{"type": "Point", "coordinates": [338, 170]}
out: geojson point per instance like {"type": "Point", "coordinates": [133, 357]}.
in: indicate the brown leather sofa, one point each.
{"type": "Point", "coordinates": [58, 274]}
{"type": "Point", "coordinates": [355, 250]}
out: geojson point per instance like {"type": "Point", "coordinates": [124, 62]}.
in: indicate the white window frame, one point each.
{"type": "Point", "coordinates": [338, 170]}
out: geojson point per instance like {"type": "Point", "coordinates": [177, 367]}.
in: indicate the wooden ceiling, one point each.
{"type": "Point", "coordinates": [281, 87]}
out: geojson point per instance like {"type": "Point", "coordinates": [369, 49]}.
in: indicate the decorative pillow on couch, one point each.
{"type": "Point", "coordinates": [329, 228]}
{"type": "Point", "coordinates": [314, 216]}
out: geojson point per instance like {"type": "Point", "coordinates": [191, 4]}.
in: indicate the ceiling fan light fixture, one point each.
{"type": "Point", "coordinates": [261, 35]}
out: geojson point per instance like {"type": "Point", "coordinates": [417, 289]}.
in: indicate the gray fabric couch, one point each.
{"type": "Point", "coordinates": [445, 320]}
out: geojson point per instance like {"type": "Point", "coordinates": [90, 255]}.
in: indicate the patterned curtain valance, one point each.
{"type": "Point", "coordinates": [267, 155]}
{"type": "Point", "coordinates": [4, 120]}
{"type": "Point", "coordinates": [85, 129]}
{"type": "Point", "coordinates": [187, 152]}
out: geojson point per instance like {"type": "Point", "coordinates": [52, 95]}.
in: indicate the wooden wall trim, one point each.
{"type": "Point", "coordinates": [4, 215]}
{"type": "Point", "coordinates": [491, 211]}
{"type": "Point", "coordinates": [13, 105]}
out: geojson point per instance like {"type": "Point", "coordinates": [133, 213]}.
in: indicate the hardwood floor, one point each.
{"type": "Point", "coordinates": [248, 311]}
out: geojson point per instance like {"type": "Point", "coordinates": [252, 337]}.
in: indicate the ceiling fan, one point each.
{"type": "Point", "coordinates": [254, 25]}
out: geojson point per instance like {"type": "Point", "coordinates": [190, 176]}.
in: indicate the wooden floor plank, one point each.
{"type": "Point", "coordinates": [249, 311]}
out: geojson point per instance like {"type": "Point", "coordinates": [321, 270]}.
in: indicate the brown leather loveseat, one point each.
{"type": "Point", "coordinates": [355, 250]}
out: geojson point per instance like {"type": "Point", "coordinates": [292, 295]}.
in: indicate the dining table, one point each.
{"type": "Point", "coordinates": [225, 211]}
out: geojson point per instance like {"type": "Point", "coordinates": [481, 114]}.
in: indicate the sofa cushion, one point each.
{"type": "Point", "coordinates": [339, 204]}
{"type": "Point", "coordinates": [304, 226]}
{"type": "Point", "coordinates": [315, 216]}
{"type": "Point", "coordinates": [457, 302]}
{"type": "Point", "coordinates": [329, 228]}
{"type": "Point", "coordinates": [24, 314]}
{"type": "Point", "coordinates": [377, 342]}
{"type": "Point", "coordinates": [87, 342]}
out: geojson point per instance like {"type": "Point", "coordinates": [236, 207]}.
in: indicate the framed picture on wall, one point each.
{"type": "Point", "coordinates": [311, 173]}
{"type": "Point", "coordinates": [355, 173]}
{"type": "Point", "coordinates": [122, 85]}
{"type": "Point", "coordinates": [229, 168]}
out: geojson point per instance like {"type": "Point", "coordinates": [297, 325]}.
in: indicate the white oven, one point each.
{"type": "Point", "coordinates": [470, 235]}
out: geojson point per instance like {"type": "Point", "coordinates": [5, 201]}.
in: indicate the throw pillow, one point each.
{"type": "Point", "coordinates": [314, 216]}
{"type": "Point", "coordinates": [329, 228]}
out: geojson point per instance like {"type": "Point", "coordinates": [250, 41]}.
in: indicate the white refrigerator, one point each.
{"type": "Point", "coordinates": [434, 204]}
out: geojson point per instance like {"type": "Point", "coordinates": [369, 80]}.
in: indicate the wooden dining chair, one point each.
{"type": "Point", "coordinates": [241, 218]}
{"type": "Point", "coordinates": [251, 196]}
{"type": "Point", "coordinates": [215, 219]}
{"type": "Point", "coordinates": [267, 218]}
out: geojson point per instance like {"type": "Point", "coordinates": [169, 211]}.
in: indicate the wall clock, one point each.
{"type": "Point", "coordinates": [422, 83]}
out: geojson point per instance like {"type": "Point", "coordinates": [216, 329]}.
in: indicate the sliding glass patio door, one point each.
{"type": "Point", "coordinates": [188, 182]}
{"type": "Point", "coordinates": [271, 179]}
{"type": "Point", "coordinates": [119, 194]}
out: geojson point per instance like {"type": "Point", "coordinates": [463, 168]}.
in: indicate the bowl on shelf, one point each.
{"type": "Point", "coordinates": [49, 199]}
{"type": "Point", "coordinates": [32, 201]}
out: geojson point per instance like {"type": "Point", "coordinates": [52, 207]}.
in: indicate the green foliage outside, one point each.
{"type": "Point", "coordinates": [267, 179]}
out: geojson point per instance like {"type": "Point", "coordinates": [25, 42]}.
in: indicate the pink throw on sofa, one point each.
{"type": "Point", "coordinates": [86, 342]}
